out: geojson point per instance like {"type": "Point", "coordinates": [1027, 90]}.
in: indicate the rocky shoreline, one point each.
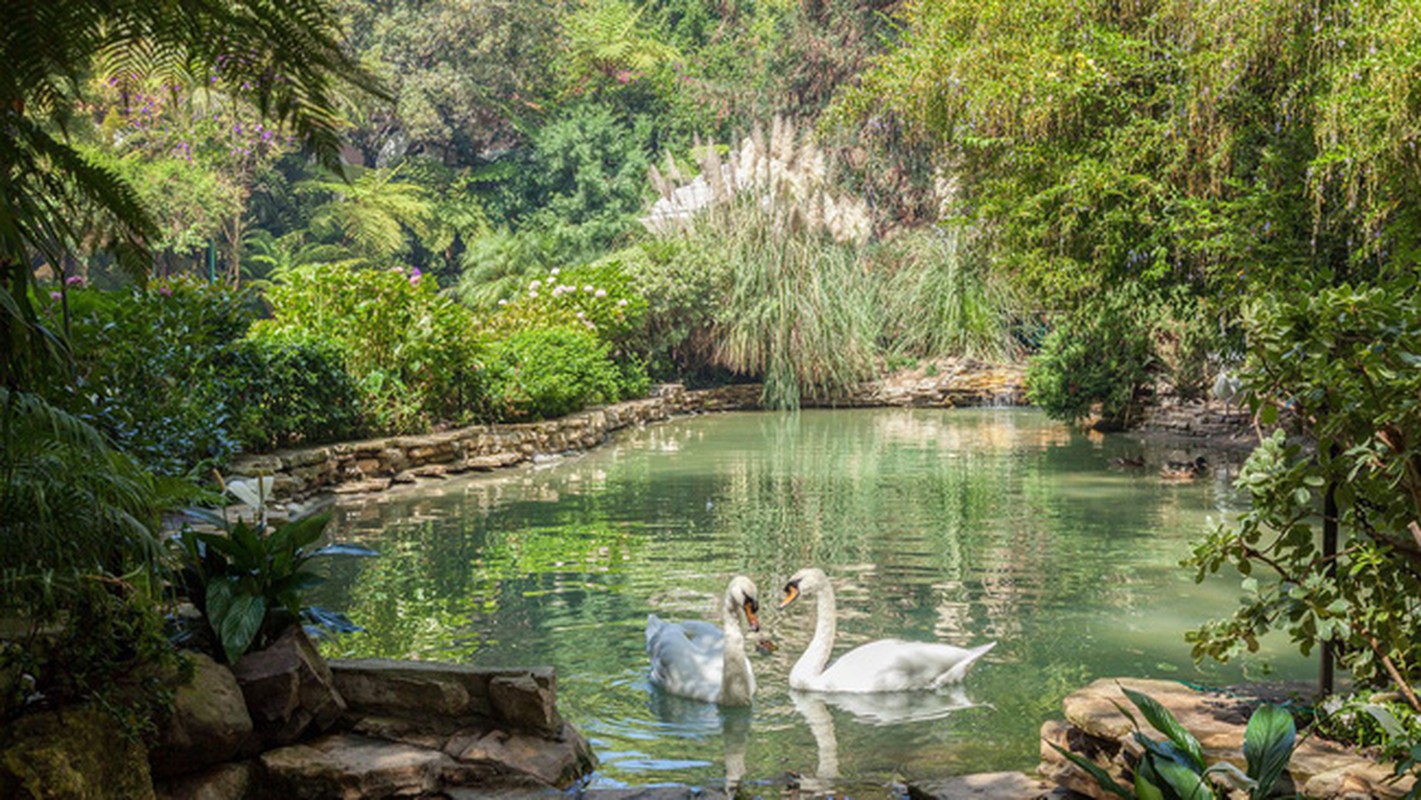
{"type": "Point", "coordinates": [373, 465]}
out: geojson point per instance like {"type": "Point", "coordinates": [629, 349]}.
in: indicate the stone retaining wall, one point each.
{"type": "Point", "coordinates": [1211, 419]}
{"type": "Point", "coordinates": [375, 464]}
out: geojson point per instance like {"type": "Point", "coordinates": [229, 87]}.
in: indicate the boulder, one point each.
{"type": "Point", "coordinates": [522, 699]}
{"type": "Point", "coordinates": [288, 689]}
{"type": "Point", "coordinates": [354, 767]}
{"type": "Point", "coordinates": [521, 758]}
{"type": "Point", "coordinates": [234, 781]}
{"type": "Point", "coordinates": [519, 702]}
{"type": "Point", "coordinates": [208, 724]}
{"type": "Point", "coordinates": [73, 754]}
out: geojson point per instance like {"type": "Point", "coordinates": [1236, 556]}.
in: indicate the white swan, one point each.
{"type": "Point", "coordinates": [699, 661]}
{"type": "Point", "coordinates": [888, 665]}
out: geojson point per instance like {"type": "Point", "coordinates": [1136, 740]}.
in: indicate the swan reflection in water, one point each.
{"type": "Point", "coordinates": [877, 709]}
{"type": "Point", "coordinates": [694, 719]}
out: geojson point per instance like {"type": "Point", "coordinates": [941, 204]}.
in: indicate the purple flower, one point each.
{"type": "Point", "coordinates": [55, 295]}
{"type": "Point", "coordinates": [74, 280]}
{"type": "Point", "coordinates": [165, 291]}
{"type": "Point", "coordinates": [414, 276]}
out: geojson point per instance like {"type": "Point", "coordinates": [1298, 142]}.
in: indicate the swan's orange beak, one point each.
{"type": "Point", "coordinates": [750, 608]}
{"type": "Point", "coordinates": [791, 593]}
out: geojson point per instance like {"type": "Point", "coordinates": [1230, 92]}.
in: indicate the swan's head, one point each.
{"type": "Point", "coordinates": [806, 581]}
{"type": "Point", "coordinates": [742, 595]}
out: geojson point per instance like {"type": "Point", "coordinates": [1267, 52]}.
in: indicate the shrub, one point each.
{"type": "Point", "coordinates": [599, 297]}
{"type": "Point", "coordinates": [1099, 354]}
{"type": "Point", "coordinates": [681, 283]}
{"type": "Point", "coordinates": [150, 370]}
{"type": "Point", "coordinates": [549, 372]}
{"type": "Point", "coordinates": [288, 392]}
{"type": "Point", "coordinates": [413, 352]}
{"type": "Point", "coordinates": [1343, 363]}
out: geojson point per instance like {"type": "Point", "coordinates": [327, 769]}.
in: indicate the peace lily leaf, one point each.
{"type": "Point", "coordinates": [1267, 746]}
{"type": "Point", "coordinates": [1165, 723]}
{"type": "Point", "coordinates": [241, 624]}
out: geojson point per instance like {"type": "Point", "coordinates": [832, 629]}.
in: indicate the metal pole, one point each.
{"type": "Point", "coordinates": [1329, 552]}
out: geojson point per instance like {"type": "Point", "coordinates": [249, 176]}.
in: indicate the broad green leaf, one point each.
{"type": "Point", "coordinates": [241, 624]}
{"type": "Point", "coordinates": [1165, 723]}
{"type": "Point", "coordinates": [1145, 789]}
{"type": "Point", "coordinates": [219, 598]}
{"type": "Point", "coordinates": [1186, 783]}
{"type": "Point", "coordinates": [1267, 746]}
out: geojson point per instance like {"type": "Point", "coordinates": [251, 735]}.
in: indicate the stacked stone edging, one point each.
{"type": "Point", "coordinates": [374, 465]}
{"type": "Point", "coordinates": [1198, 419]}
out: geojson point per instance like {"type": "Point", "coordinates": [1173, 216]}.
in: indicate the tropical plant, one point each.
{"type": "Point", "coordinates": [72, 509]}
{"type": "Point", "coordinates": [1175, 768]}
{"type": "Point", "coordinates": [605, 42]}
{"type": "Point", "coordinates": [285, 57]}
{"type": "Point", "coordinates": [250, 585]}
{"type": "Point", "coordinates": [373, 215]}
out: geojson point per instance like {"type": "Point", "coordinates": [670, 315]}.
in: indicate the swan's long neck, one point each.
{"type": "Point", "coordinates": [811, 664]}
{"type": "Point", "coordinates": [737, 683]}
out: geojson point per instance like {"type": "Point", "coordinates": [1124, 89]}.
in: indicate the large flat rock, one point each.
{"type": "Point", "coordinates": [354, 767]}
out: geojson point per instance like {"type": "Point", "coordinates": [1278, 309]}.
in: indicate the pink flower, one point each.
{"type": "Point", "coordinates": [55, 295]}
{"type": "Point", "coordinates": [415, 276]}
{"type": "Point", "coordinates": [74, 280]}
{"type": "Point", "coordinates": [600, 293]}
{"type": "Point", "coordinates": [624, 76]}
{"type": "Point", "coordinates": [165, 291]}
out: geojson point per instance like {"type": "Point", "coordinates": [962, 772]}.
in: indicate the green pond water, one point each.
{"type": "Point", "coordinates": [960, 526]}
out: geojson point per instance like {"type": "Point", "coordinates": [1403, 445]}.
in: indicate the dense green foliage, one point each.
{"type": "Point", "coordinates": [1256, 165]}
{"type": "Point", "coordinates": [413, 353]}
{"type": "Point", "coordinates": [548, 372]}
{"type": "Point", "coordinates": [152, 372]}
{"type": "Point", "coordinates": [1342, 366]}
{"type": "Point", "coordinates": [1099, 357]}
{"type": "Point", "coordinates": [289, 392]}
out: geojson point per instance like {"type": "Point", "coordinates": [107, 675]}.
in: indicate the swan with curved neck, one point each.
{"type": "Point", "coordinates": [887, 665]}
{"type": "Point", "coordinates": [699, 661]}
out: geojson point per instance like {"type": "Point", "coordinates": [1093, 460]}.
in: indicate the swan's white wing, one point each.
{"type": "Point", "coordinates": [702, 634]}
{"type": "Point", "coordinates": [681, 668]}
{"type": "Point", "coordinates": [891, 665]}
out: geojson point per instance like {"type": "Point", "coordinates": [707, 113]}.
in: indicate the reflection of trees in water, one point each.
{"type": "Point", "coordinates": [965, 526]}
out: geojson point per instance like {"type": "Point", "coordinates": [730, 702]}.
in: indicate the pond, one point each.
{"type": "Point", "coordinates": [960, 526]}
